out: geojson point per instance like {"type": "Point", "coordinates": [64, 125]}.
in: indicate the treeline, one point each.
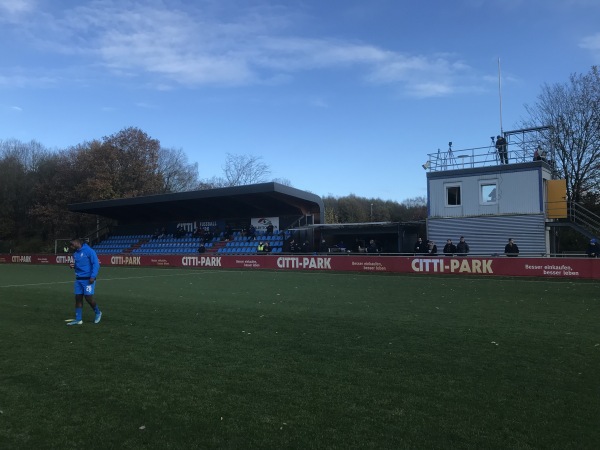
{"type": "Point", "coordinates": [37, 184]}
{"type": "Point", "coordinates": [354, 209]}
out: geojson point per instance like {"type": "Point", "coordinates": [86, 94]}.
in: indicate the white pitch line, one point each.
{"type": "Point", "coordinates": [102, 279]}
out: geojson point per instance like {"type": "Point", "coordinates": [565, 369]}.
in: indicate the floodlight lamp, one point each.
{"type": "Point", "coordinates": [427, 165]}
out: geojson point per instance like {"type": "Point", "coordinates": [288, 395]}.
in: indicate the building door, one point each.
{"type": "Point", "coordinates": [556, 195]}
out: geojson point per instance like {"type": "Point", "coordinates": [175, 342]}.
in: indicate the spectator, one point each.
{"type": "Point", "coordinates": [511, 248]}
{"type": "Point", "coordinates": [539, 154]}
{"type": "Point", "coordinates": [227, 233]}
{"type": "Point", "coordinates": [270, 228]}
{"type": "Point", "coordinates": [449, 248]}
{"type": "Point", "coordinates": [306, 247]}
{"type": "Point", "coordinates": [156, 234]}
{"type": "Point", "coordinates": [593, 249]}
{"type": "Point", "coordinates": [420, 247]}
{"type": "Point", "coordinates": [323, 247]}
{"type": "Point", "coordinates": [266, 248]}
{"type": "Point", "coordinates": [359, 246]}
{"type": "Point", "coordinates": [251, 233]}
{"type": "Point", "coordinates": [502, 147]}
{"type": "Point", "coordinates": [207, 236]}
{"type": "Point", "coordinates": [202, 248]}
{"type": "Point", "coordinates": [341, 246]}
{"type": "Point", "coordinates": [292, 247]}
{"type": "Point", "coordinates": [431, 248]}
{"type": "Point", "coordinates": [179, 232]}
{"type": "Point", "coordinates": [462, 248]}
{"type": "Point", "coordinates": [372, 248]}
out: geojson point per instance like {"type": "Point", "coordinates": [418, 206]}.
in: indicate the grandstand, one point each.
{"type": "Point", "coordinates": [291, 211]}
{"type": "Point", "coordinates": [144, 244]}
{"type": "Point", "coordinates": [132, 220]}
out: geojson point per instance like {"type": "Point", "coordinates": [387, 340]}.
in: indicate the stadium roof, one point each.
{"type": "Point", "coordinates": [256, 200]}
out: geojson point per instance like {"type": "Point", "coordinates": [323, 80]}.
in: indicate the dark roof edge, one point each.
{"type": "Point", "coordinates": [259, 188]}
{"type": "Point", "coordinates": [202, 193]}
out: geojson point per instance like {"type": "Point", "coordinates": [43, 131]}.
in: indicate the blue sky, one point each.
{"type": "Point", "coordinates": [337, 96]}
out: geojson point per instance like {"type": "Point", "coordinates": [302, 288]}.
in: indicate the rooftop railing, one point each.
{"type": "Point", "coordinates": [473, 157]}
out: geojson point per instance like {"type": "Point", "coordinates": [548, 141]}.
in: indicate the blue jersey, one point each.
{"type": "Point", "coordinates": [86, 262]}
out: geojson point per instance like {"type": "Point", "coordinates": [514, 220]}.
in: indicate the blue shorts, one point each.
{"type": "Point", "coordinates": [84, 287]}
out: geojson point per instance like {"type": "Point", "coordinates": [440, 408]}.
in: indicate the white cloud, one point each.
{"type": "Point", "coordinates": [16, 108]}
{"type": "Point", "coordinates": [591, 42]}
{"type": "Point", "coordinates": [166, 46]}
{"type": "Point", "coordinates": [15, 7]}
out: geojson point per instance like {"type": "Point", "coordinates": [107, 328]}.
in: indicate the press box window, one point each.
{"type": "Point", "coordinates": [453, 196]}
{"type": "Point", "coordinates": [489, 193]}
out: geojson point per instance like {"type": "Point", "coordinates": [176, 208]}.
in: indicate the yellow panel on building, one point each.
{"type": "Point", "coordinates": [556, 194]}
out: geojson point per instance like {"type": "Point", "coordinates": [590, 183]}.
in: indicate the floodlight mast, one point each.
{"type": "Point", "coordinates": [500, 95]}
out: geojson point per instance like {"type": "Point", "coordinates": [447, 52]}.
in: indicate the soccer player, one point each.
{"type": "Point", "coordinates": [86, 267]}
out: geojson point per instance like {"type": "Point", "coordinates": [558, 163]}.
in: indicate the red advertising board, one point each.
{"type": "Point", "coordinates": [573, 268]}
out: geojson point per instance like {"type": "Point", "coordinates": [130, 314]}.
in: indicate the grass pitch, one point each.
{"type": "Point", "coordinates": [239, 359]}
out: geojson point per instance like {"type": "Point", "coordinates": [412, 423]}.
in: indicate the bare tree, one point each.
{"type": "Point", "coordinates": [177, 173]}
{"type": "Point", "coordinates": [19, 170]}
{"type": "Point", "coordinates": [213, 183]}
{"type": "Point", "coordinates": [240, 170]}
{"type": "Point", "coordinates": [572, 109]}
{"type": "Point", "coordinates": [284, 181]}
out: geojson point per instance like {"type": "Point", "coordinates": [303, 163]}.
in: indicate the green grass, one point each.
{"type": "Point", "coordinates": [232, 359]}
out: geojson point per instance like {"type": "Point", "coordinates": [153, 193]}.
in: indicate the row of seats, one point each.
{"type": "Point", "coordinates": [114, 244]}
{"type": "Point", "coordinates": [253, 244]}
{"type": "Point", "coordinates": [134, 237]}
{"type": "Point", "coordinates": [164, 251]}
{"type": "Point", "coordinates": [245, 250]}
{"type": "Point", "coordinates": [110, 250]}
{"type": "Point", "coordinates": [180, 239]}
{"type": "Point", "coordinates": [185, 250]}
{"type": "Point", "coordinates": [168, 245]}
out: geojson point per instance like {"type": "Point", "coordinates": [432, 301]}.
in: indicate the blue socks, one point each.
{"type": "Point", "coordinates": [96, 309]}
{"type": "Point", "coordinates": [78, 313]}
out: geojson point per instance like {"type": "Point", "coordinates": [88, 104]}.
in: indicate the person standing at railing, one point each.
{"type": "Point", "coordinates": [420, 247]}
{"type": "Point", "coordinates": [449, 248]}
{"type": "Point", "coordinates": [431, 248]}
{"type": "Point", "coordinates": [462, 248]}
{"type": "Point", "coordinates": [511, 249]}
{"type": "Point", "coordinates": [539, 154]}
{"type": "Point", "coordinates": [593, 249]}
{"type": "Point", "coordinates": [502, 147]}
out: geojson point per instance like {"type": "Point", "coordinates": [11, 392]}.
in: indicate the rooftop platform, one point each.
{"type": "Point", "coordinates": [521, 146]}
{"type": "Point", "coordinates": [472, 158]}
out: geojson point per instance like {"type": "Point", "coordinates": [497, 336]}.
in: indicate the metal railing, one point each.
{"type": "Point", "coordinates": [471, 158]}
{"type": "Point", "coordinates": [583, 217]}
